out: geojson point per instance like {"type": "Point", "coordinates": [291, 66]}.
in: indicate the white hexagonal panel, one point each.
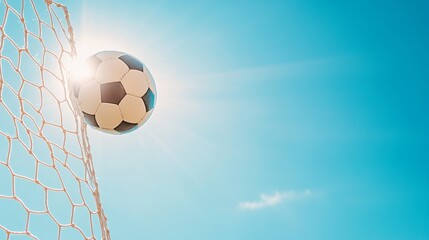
{"type": "Point", "coordinates": [111, 71]}
{"type": "Point", "coordinates": [89, 97]}
{"type": "Point", "coordinates": [146, 117]}
{"type": "Point", "coordinates": [108, 116]}
{"type": "Point", "coordinates": [135, 83]}
{"type": "Point", "coordinates": [132, 109]}
{"type": "Point", "coordinates": [105, 55]}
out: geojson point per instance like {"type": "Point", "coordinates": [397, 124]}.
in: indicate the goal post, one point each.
{"type": "Point", "coordinates": [48, 187]}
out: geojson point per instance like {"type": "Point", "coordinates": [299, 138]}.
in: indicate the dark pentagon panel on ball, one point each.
{"type": "Point", "coordinates": [112, 92]}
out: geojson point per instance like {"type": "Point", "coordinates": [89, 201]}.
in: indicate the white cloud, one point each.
{"type": "Point", "coordinates": [278, 197]}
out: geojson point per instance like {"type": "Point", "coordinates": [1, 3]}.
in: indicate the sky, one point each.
{"type": "Point", "coordinates": [274, 119]}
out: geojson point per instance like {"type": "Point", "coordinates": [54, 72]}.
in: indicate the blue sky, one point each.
{"type": "Point", "coordinates": [275, 119]}
{"type": "Point", "coordinates": [320, 106]}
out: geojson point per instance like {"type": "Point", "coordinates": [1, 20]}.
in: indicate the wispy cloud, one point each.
{"type": "Point", "coordinates": [274, 199]}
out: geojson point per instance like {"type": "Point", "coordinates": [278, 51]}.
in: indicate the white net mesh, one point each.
{"type": "Point", "coordinates": [48, 188]}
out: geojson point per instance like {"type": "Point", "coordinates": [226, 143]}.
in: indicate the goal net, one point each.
{"type": "Point", "coordinates": [48, 188]}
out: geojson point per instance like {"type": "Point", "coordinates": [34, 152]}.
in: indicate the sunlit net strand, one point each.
{"type": "Point", "coordinates": [30, 121]}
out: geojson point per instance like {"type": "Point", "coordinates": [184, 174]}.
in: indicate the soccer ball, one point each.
{"type": "Point", "coordinates": [117, 92]}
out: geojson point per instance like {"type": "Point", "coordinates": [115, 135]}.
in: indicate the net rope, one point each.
{"type": "Point", "coordinates": [48, 188]}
